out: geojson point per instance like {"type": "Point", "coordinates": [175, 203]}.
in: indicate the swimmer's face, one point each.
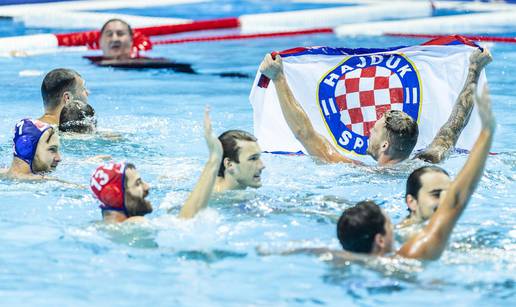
{"type": "Point", "coordinates": [385, 241]}
{"type": "Point", "coordinates": [116, 40]}
{"type": "Point", "coordinates": [429, 195]}
{"type": "Point", "coordinates": [47, 155]}
{"type": "Point", "coordinates": [388, 237]}
{"type": "Point", "coordinates": [247, 172]}
{"type": "Point", "coordinates": [377, 139]}
{"type": "Point", "coordinates": [136, 190]}
{"type": "Point", "coordinates": [80, 92]}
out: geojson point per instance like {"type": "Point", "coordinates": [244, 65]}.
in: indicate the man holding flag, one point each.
{"type": "Point", "coordinates": [368, 101]}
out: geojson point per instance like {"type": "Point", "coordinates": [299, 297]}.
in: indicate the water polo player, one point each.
{"type": "Point", "coordinates": [241, 165]}
{"type": "Point", "coordinates": [366, 229]}
{"type": "Point", "coordinates": [122, 192]}
{"type": "Point", "coordinates": [393, 136]}
{"type": "Point", "coordinates": [78, 117]}
{"type": "Point", "coordinates": [59, 87]}
{"type": "Point", "coordinates": [424, 188]}
{"type": "Point", "coordinates": [116, 40]}
{"type": "Point", "coordinates": [120, 48]}
{"type": "Point", "coordinates": [35, 150]}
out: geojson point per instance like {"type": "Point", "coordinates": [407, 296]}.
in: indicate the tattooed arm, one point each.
{"type": "Point", "coordinates": [449, 133]}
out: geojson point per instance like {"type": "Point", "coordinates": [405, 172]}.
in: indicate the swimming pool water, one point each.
{"type": "Point", "coordinates": [54, 253]}
{"type": "Point", "coordinates": [223, 8]}
{"type": "Point", "coordinates": [231, 8]}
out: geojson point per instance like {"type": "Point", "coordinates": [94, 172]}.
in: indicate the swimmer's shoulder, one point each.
{"type": "Point", "coordinates": [328, 254]}
{"type": "Point", "coordinates": [405, 166]}
{"type": "Point", "coordinates": [38, 178]}
{"type": "Point", "coordinates": [406, 229]}
{"type": "Point", "coordinates": [136, 220]}
{"type": "Point", "coordinates": [109, 135]}
{"type": "Point", "coordinates": [230, 197]}
{"type": "Point", "coordinates": [22, 177]}
{"type": "Point", "coordinates": [3, 172]}
{"type": "Point", "coordinates": [100, 134]}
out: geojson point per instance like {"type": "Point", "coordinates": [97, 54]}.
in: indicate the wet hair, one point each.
{"type": "Point", "coordinates": [229, 145]}
{"type": "Point", "coordinates": [402, 133]}
{"type": "Point", "coordinates": [78, 117]}
{"type": "Point", "coordinates": [119, 20]}
{"type": "Point", "coordinates": [127, 166]}
{"type": "Point", "coordinates": [358, 226]}
{"type": "Point", "coordinates": [55, 83]}
{"type": "Point", "coordinates": [414, 179]}
{"type": "Point", "coordinates": [51, 132]}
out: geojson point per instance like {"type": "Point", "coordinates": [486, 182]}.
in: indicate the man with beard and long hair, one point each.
{"type": "Point", "coordinates": [122, 192]}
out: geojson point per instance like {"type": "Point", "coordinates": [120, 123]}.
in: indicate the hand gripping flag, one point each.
{"type": "Point", "coordinates": [345, 91]}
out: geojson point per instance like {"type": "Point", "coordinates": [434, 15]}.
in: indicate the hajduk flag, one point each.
{"type": "Point", "coordinates": [345, 91]}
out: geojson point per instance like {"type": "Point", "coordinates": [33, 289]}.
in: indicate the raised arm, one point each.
{"type": "Point", "coordinates": [297, 119]}
{"type": "Point", "coordinates": [449, 133]}
{"type": "Point", "coordinates": [200, 195]}
{"type": "Point", "coordinates": [431, 241]}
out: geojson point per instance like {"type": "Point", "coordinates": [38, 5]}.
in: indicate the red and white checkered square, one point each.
{"type": "Point", "coordinates": [365, 94]}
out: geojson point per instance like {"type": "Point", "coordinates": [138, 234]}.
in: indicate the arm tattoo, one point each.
{"type": "Point", "coordinates": [449, 133]}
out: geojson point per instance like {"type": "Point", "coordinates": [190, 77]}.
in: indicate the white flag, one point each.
{"type": "Point", "coordinates": [345, 91]}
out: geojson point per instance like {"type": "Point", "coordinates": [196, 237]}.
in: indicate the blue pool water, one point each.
{"type": "Point", "coordinates": [55, 253]}
{"type": "Point", "coordinates": [232, 8]}
{"type": "Point", "coordinates": [223, 8]}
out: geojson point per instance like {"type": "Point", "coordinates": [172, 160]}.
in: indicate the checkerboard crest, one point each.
{"type": "Point", "coordinates": [363, 95]}
{"type": "Point", "coordinates": [356, 93]}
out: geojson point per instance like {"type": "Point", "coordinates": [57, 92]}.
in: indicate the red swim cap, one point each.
{"type": "Point", "coordinates": [107, 184]}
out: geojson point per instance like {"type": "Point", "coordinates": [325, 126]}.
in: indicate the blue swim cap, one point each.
{"type": "Point", "coordinates": [27, 133]}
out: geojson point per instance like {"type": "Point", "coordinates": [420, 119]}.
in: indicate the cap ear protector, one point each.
{"type": "Point", "coordinates": [107, 184]}
{"type": "Point", "coordinates": [27, 134]}
{"type": "Point", "coordinates": [24, 146]}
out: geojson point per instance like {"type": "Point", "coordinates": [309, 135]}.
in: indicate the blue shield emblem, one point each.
{"type": "Point", "coordinates": [357, 92]}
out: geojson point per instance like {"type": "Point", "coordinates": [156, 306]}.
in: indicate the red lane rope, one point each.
{"type": "Point", "coordinates": [223, 23]}
{"type": "Point", "coordinates": [240, 36]}
{"type": "Point", "coordinates": [91, 38]}
{"type": "Point", "coordinates": [479, 38]}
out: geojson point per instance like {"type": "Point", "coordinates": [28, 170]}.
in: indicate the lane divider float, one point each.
{"type": "Point", "coordinates": [287, 24]}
